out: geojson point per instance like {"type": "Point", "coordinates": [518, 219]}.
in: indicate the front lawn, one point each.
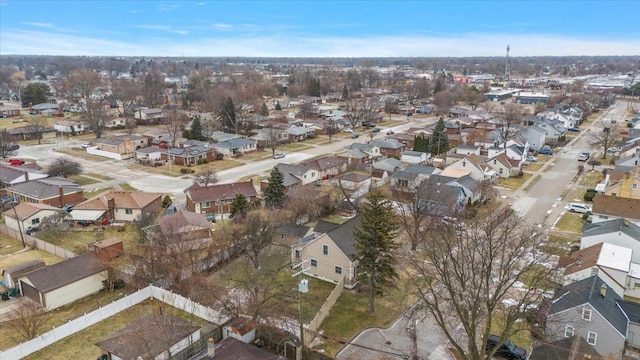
{"type": "Point", "coordinates": [513, 183]}
{"type": "Point", "coordinates": [591, 179]}
{"type": "Point", "coordinates": [570, 222]}
{"type": "Point", "coordinates": [90, 194]}
{"type": "Point", "coordinates": [83, 180]}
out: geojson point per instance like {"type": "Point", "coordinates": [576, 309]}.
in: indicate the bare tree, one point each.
{"type": "Point", "coordinates": [37, 125]}
{"type": "Point", "coordinates": [174, 124]}
{"type": "Point", "coordinates": [8, 147]}
{"type": "Point", "coordinates": [330, 128]}
{"type": "Point", "coordinates": [361, 110]}
{"type": "Point", "coordinates": [604, 137]}
{"type": "Point", "coordinates": [125, 92]}
{"type": "Point", "coordinates": [443, 100]}
{"type": "Point", "coordinates": [509, 122]}
{"type": "Point", "coordinates": [152, 87]}
{"type": "Point", "coordinates": [81, 84]}
{"type": "Point", "coordinates": [272, 139]}
{"type": "Point", "coordinates": [468, 274]}
{"type": "Point", "coordinates": [206, 176]}
{"type": "Point", "coordinates": [305, 110]}
{"type": "Point", "coordinates": [64, 167]}
{"type": "Point", "coordinates": [28, 320]}
{"type": "Point", "coordinates": [256, 233]}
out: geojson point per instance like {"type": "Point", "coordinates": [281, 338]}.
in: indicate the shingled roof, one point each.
{"type": "Point", "coordinates": [201, 193]}
{"type": "Point", "coordinates": [616, 206]}
{"type": "Point", "coordinates": [122, 199]}
{"type": "Point", "coordinates": [65, 272]}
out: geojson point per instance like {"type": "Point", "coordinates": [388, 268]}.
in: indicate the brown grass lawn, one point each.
{"type": "Point", "coordinates": [11, 253]}
{"type": "Point", "coordinates": [83, 180]}
{"type": "Point", "coordinates": [570, 222]}
{"type": "Point", "coordinates": [90, 194]}
{"type": "Point", "coordinates": [256, 155]}
{"type": "Point", "coordinates": [81, 153]}
{"type": "Point", "coordinates": [591, 179]}
{"type": "Point", "coordinates": [62, 315]}
{"type": "Point", "coordinates": [78, 238]}
{"type": "Point", "coordinates": [533, 167]}
{"type": "Point", "coordinates": [81, 345]}
{"type": "Point", "coordinates": [127, 187]}
{"type": "Point", "coordinates": [513, 183]}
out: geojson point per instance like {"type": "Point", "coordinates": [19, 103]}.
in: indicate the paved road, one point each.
{"type": "Point", "coordinates": [395, 342]}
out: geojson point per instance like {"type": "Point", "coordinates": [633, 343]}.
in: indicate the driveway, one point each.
{"type": "Point", "coordinates": [395, 342]}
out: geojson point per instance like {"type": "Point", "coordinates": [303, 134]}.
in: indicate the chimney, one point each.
{"type": "Point", "coordinates": [211, 347]}
{"type": "Point", "coordinates": [603, 290]}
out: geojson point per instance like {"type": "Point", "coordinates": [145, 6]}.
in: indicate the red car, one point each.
{"type": "Point", "coordinates": [16, 162]}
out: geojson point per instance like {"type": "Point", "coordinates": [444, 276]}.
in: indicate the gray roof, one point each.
{"type": "Point", "coordinates": [45, 188]}
{"type": "Point", "coordinates": [420, 169]}
{"type": "Point", "coordinates": [294, 230]}
{"type": "Point", "coordinates": [299, 130]}
{"type": "Point", "coordinates": [387, 144]}
{"type": "Point", "coordinates": [631, 309]}
{"type": "Point", "coordinates": [466, 181]}
{"type": "Point", "coordinates": [190, 151]}
{"type": "Point", "coordinates": [235, 143]}
{"type": "Point", "coordinates": [117, 139]}
{"type": "Point", "coordinates": [295, 170]}
{"type": "Point", "coordinates": [360, 146]}
{"type": "Point", "coordinates": [9, 173]}
{"type": "Point", "coordinates": [342, 236]}
{"type": "Point", "coordinates": [612, 226]}
{"type": "Point", "coordinates": [65, 272]}
{"type": "Point", "coordinates": [324, 226]}
{"type": "Point", "coordinates": [354, 153]}
{"type": "Point", "coordinates": [389, 164]}
{"type": "Point", "coordinates": [588, 291]}
{"type": "Point", "coordinates": [413, 153]}
{"type": "Point", "coordinates": [150, 150]}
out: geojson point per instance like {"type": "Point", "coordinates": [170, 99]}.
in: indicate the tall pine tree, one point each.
{"type": "Point", "coordinates": [274, 193]}
{"type": "Point", "coordinates": [375, 244]}
{"type": "Point", "coordinates": [239, 207]}
{"type": "Point", "coordinates": [313, 87]}
{"type": "Point", "coordinates": [196, 129]}
{"type": "Point", "coordinates": [278, 106]}
{"type": "Point", "coordinates": [439, 140]}
{"type": "Point", "coordinates": [228, 115]}
{"type": "Point", "coordinates": [264, 111]}
{"type": "Point", "coordinates": [421, 143]}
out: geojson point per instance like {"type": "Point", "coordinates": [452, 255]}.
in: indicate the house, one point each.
{"type": "Point", "coordinates": [624, 185]}
{"type": "Point", "coordinates": [476, 166]}
{"type": "Point", "coordinates": [439, 198]}
{"type": "Point", "coordinates": [329, 256]}
{"type": "Point", "coordinates": [408, 140]}
{"type": "Point", "coordinates": [45, 109]}
{"type": "Point", "coordinates": [354, 157]}
{"type": "Point", "coordinates": [535, 136]}
{"type": "Point", "coordinates": [235, 146]}
{"type": "Point", "coordinates": [607, 207]}
{"type": "Point", "coordinates": [118, 205]}
{"type": "Point", "coordinates": [389, 164]}
{"type": "Point", "coordinates": [573, 347]}
{"type": "Point", "coordinates": [327, 166]}
{"type": "Point", "coordinates": [588, 308]}
{"type": "Point", "coordinates": [62, 283]}
{"type": "Point", "coordinates": [151, 153]}
{"type": "Point", "coordinates": [504, 166]}
{"type": "Point", "coordinates": [29, 215]}
{"type": "Point", "coordinates": [409, 178]}
{"type": "Point", "coordinates": [107, 249]}
{"type": "Point", "coordinates": [189, 155]}
{"type": "Point", "coordinates": [233, 349]}
{"type": "Point", "coordinates": [68, 127]}
{"type": "Point", "coordinates": [265, 137]}
{"type": "Point", "coordinates": [186, 226]}
{"type": "Point", "coordinates": [620, 232]}
{"type": "Point", "coordinates": [212, 199]}
{"type": "Point", "coordinates": [467, 150]}
{"type": "Point", "coordinates": [29, 133]}
{"type": "Point", "coordinates": [153, 336]}
{"type": "Point", "coordinates": [373, 152]}
{"type": "Point", "coordinates": [12, 274]}
{"type": "Point", "coordinates": [289, 234]}
{"type": "Point", "coordinates": [629, 162]}
{"type": "Point", "coordinates": [389, 147]}
{"type": "Point", "coordinates": [415, 157]}
{"type": "Point", "coordinates": [295, 175]}
{"type": "Point", "coordinates": [299, 133]}
{"type": "Point", "coordinates": [610, 262]}
{"type": "Point", "coordinates": [553, 130]}
{"type": "Point", "coordinates": [118, 147]}
{"type": "Point", "coordinates": [54, 191]}
{"type": "Point", "coordinates": [9, 110]}
{"type": "Point", "coordinates": [149, 116]}
{"type": "Point", "coordinates": [12, 175]}
{"type": "Point", "coordinates": [531, 98]}
{"type": "Point", "coordinates": [632, 311]}
{"type": "Point", "coordinates": [355, 182]}
{"type": "Point", "coordinates": [470, 187]}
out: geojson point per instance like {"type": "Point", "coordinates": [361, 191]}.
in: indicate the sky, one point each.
{"type": "Point", "coordinates": [319, 28]}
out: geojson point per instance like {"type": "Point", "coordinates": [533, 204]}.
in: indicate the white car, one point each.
{"type": "Point", "coordinates": [278, 156]}
{"type": "Point", "coordinates": [347, 130]}
{"type": "Point", "coordinates": [613, 150]}
{"type": "Point", "coordinates": [86, 145]}
{"type": "Point", "coordinates": [579, 208]}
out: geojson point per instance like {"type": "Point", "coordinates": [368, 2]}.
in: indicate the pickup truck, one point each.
{"type": "Point", "coordinates": [508, 350]}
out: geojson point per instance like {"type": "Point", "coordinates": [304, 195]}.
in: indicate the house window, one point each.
{"type": "Point", "coordinates": [634, 187]}
{"type": "Point", "coordinates": [603, 217]}
{"type": "Point", "coordinates": [338, 270]}
{"type": "Point", "coordinates": [282, 236]}
{"type": "Point", "coordinates": [592, 338]}
{"type": "Point", "coordinates": [128, 211]}
{"type": "Point", "coordinates": [568, 331]}
{"type": "Point", "coordinates": [205, 205]}
{"type": "Point", "coordinates": [325, 250]}
{"type": "Point", "coordinates": [297, 254]}
{"type": "Point", "coordinates": [403, 183]}
{"type": "Point", "coordinates": [594, 271]}
{"type": "Point", "coordinates": [586, 314]}
{"type": "Point", "coordinates": [314, 262]}
{"type": "Point", "coordinates": [35, 221]}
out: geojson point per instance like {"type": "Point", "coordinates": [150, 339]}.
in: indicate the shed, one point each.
{"type": "Point", "coordinates": [107, 249]}
{"type": "Point", "coordinates": [12, 274]}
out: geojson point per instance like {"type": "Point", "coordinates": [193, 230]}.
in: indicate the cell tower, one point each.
{"type": "Point", "coordinates": [506, 66]}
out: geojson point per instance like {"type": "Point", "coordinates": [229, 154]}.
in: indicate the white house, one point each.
{"type": "Point", "coordinates": [620, 232]}
{"type": "Point", "coordinates": [69, 127]}
{"type": "Point", "coordinates": [415, 157]}
{"type": "Point", "coordinates": [475, 165]}
{"type": "Point", "coordinates": [30, 215]}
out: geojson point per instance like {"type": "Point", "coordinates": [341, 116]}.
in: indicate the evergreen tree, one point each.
{"type": "Point", "coordinates": [421, 143]}
{"type": "Point", "coordinates": [345, 92]}
{"type": "Point", "coordinates": [439, 140]}
{"type": "Point", "coordinates": [265, 110]}
{"type": "Point", "coordinates": [196, 129]}
{"type": "Point", "coordinates": [35, 93]}
{"type": "Point", "coordinates": [278, 107]}
{"type": "Point", "coordinates": [375, 245]}
{"type": "Point", "coordinates": [239, 207]}
{"type": "Point", "coordinates": [313, 87]}
{"type": "Point", "coordinates": [274, 194]}
{"type": "Point", "coordinates": [438, 86]}
{"type": "Point", "coordinates": [228, 114]}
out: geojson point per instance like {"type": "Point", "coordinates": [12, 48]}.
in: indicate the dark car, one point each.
{"type": "Point", "coordinates": [545, 152]}
{"type": "Point", "coordinates": [355, 136]}
{"type": "Point", "coordinates": [13, 147]}
{"type": "Point", "coordinates": [573, 129]}
{"type": "Point", "coordinates": [508, 350]}
{"type": "Point", "coordinates": [376, 130]}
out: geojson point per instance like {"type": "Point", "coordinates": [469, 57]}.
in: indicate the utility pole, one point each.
{"type": "Point", "coordinates": [15, 213]}
{"type": "Point", "coordinates": [506, 66]}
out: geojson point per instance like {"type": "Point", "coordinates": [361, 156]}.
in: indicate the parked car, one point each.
{"type": "Point", "coordinates": [613, 150]}
{"type": "Point", "coordinates": [347, 130]}
{"type": "Point", "coordinates": [376, 130]}
{"type": "Point", "coordinates": [545, 152]}
{"type": "Point", "coordinates": [390, 132]}
{"type": "Point", "coordinates": [508, 350]}
{"type": "Point", "coordinates": [531, 158]}
{"type": "Point", "coordinates": [579, 208]}
{"type": "Point", "coordinates": [584, 156]}
{"type": "Point", "coordinates": [86, 145]}
{"type": "Point", "coordinates": [355, 136]}
{"type": "Point", "coordinates": [16, 162]}
{"type": "Point", "coordinates": [13, 147]}
{"type": "Point", "coordinates": [573, 129]}
{"type": "Point", "coordinates": [278, 155]}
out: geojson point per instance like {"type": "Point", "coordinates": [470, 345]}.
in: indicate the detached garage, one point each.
{"type": "Point", "coordinates": [65, 282]}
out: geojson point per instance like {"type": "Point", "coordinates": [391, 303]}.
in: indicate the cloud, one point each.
{"type": "Point", "coordinates": [52, 43]}
{"type": "Point", "coordinates": [221, 26]}
{"type": "Point", "coordinates": [200, 4]}
{"type": "Point", "coordinates": [38, 24]}
{"type": "Point", "coordinates": [168, 7]}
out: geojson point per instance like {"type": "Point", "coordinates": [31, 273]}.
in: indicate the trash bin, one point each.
{"type": "Point", "coordinates": [5, 295]}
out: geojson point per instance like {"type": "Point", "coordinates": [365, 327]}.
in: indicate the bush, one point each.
{"type": "Point", "coordinates": [589, 195]}
{"type": "Point", "coordinates": [187, 171]}
{"type": "Point", "coordinates": [580, 168]}
{"type": "Point", "coordinates": [200, 162]}
{"type": "Point", "coordinates": [219, 156]}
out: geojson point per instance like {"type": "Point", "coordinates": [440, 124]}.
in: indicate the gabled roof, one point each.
{"type": "Point", "coordinates": [360, 146]}
{"type": "Point", "coordinates": [118, 139]}
{"type": "Point", "coordinates": [342, 236]}
{"type": "Point", "coordinates": [389, 164]}
{"type": "Point", "coordinates": [616, 206]}
{"type": "Point", "coordinates": [148, 336]}
{"type": "Point", "coordinates": [65, 272]}
{"type": "Point", "coordinates": [26, 267]}
{"type": "Point", "coordinates": [503, 159]}
{"type": "Point", "coordinates": [387, 144]}
{"type": "Point", "coordinates": [122, 199]}
{"type": "Point", "coordinates": [323, 227]}
{"type": "Point", "coordinates": [324, 163]}
{"type": "Point", "coordinates": [612, 226]}
{"type": "Point", "coordinates": [477, 161]}
{"type": "Point", "coordinates": [587, 291]}
{"type": "Point", "coordinates": [575, 347]}
{"type": "Point", "coordinates": [465, 181]}
{"type": "Point", "coordinates": [294, 230]}
{"type": "Point", "coordinates": [602, 254]}
{"type": "Point", "coordinates": [234, 349]}
{"type": "Point", "coordinates": [354, 153]}
{"type": "Point", "coordinates": [355, 177]}
{"type": "Point", "coordinates": [45, 188]}
{"type": "Point", "coordinates": [202, 193]}
{"type": "Point", "coordinates": [234, 143]}
{"type": "Point", "coordinates": [190, 151]}
{"type": "Point", "coordinates": [631, 309]}
{"type": "Point", "coordinates": [299, 130]}
{"type": "Point", "coordinates": [183, 221]}
{"type": "Point", "coordinates": [25, 210]}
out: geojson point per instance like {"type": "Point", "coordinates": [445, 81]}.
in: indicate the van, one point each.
{"type": "Point", "coordinates": [579, 208]}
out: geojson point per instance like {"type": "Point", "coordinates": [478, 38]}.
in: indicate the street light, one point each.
{"type": "Point", "coordinates": [303, 288]}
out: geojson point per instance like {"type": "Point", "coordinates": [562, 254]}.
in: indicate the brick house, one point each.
{"type": "Point", "coordinates": [215, 199]}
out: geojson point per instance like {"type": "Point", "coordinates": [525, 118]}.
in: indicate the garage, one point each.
{"type": "Point", "coordinates": [30, 292]}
